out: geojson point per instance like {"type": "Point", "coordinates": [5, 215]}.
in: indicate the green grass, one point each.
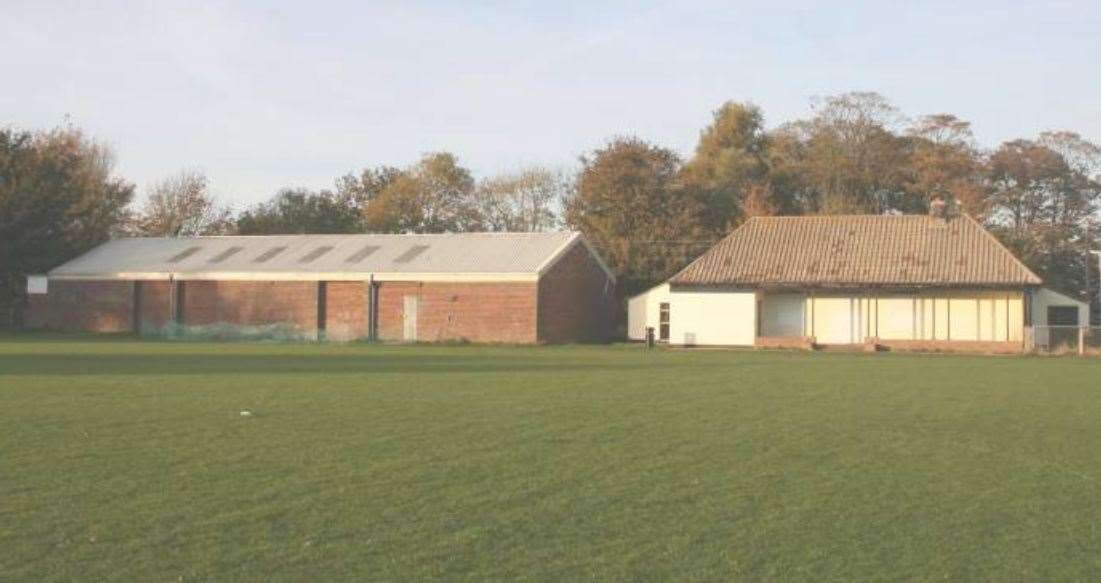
{"type": "Point", "coordinates": [126, 460]}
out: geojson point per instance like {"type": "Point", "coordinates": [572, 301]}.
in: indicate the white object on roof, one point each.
{"type": "Point", "coordinates": [452, 256]}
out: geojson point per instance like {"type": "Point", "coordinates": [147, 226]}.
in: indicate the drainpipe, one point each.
{"type": "Point", "coordinates": [372, 309]}
{"type": "Point", "coordinates": [1089, 319]}
{"type": "Point", "coordinates": [172, 299]}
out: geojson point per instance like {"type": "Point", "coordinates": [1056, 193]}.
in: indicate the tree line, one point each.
{"type": "Point", "coordinates": [651, 212]}
{"type": "Point", "coordinates": [647, 209]}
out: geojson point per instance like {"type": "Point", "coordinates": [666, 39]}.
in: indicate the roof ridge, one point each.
{"type": "Point", "coordinates": [335, 235]}
{"type": "Point", "coordinates": [832, 217]}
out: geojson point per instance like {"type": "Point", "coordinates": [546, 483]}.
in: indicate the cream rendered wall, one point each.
{"type": "Point", "coordinates": [834, 319]}
{"type": "Point", "coordinates": [962, 316]}
{"type": "Point", "coordinates": [716, 318]}
{"type": "Point", "coordinates": [896, 317]}
{"type": "Point", "coordinates": [643, 311]}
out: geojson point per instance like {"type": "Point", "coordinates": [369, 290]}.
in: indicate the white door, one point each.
{"type": "Point", "coordinates": [833, 320]}
{"type": "Point", "coordinates": [409, 319]}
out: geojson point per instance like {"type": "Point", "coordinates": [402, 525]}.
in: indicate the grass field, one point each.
{"type": "Point", "coordinates": [124, 460]}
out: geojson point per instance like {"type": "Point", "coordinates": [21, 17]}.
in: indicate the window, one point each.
{"type": "Point", "coordinates": [411, 254]}
{"type": "Point", "coordinates": [184, 254]}
{"type": "Point", "coordinates": [270, 253]}
{"type": "Point", "coordinates": [361, 254]}
{"type": "Point", "coordinates": [663, 321]}
{"type": "Point", "coordinates": [225, 254]}
{"type": "Point", "coordinates": [315, 254]}
{"type": "Point", "coordinates": [1062, 316]}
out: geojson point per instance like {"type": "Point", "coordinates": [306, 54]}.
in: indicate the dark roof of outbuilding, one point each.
{"type": "Point", "coordinates": [858, 251]}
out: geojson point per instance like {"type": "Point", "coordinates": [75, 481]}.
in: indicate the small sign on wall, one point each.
{"type": "Point", "coordinates": [36, 284]}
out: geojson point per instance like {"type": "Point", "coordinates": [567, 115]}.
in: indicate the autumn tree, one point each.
{"type": "Point", "coordinates": [58, 198]}
{"type": "Point", "coordinates": [629, 204]}
{"type": "Point", "coordinates": [181, 206]}
{"type": "Point", "coordinates": [944, 161]}
{"type": "Point", "coordinates": [300, 211]}
{"type": "Point", "coordinates": [1046, 194]}
{"type": "Point", "coordinates": [360, 189]}
{"type": "Point", "coordinates": [435, 195]}
{"type": "Point", "coordinates": [524, 201]}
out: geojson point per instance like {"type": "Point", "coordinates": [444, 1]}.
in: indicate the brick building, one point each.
{"type": "Point", "coordinates": [478, 287]}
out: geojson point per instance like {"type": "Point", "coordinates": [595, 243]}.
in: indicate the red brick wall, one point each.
{"type": "Point", "coordinates": [251, 303]}
{"type": "Point", "coordinates": [345, 310]}
{"type": "Point", "coordinates": [576, 299]}
{"type": "Point", "coordinates": [570, 303]}
{"type": "Point", "coordinates": [475, 312]}
{"type": "Point", "coordinates": [36, 312]}
{"type": "Point", "coordinates": [156, 305]}
{"type": "Point", "coordinates": [91, 306]}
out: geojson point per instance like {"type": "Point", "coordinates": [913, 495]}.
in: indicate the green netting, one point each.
{"type": "Point", "coordinates": [280, 332]}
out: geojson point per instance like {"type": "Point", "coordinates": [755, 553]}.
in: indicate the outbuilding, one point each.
{"type": "Point", "coordinates": [477, 287]}
{"type": "Point", "coordinates": [1057, 318]}
{"type": "Point", "coordinates": [899, 281]}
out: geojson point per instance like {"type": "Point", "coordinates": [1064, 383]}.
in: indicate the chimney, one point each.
{"type": "Point", "coordinates": [938, 208]}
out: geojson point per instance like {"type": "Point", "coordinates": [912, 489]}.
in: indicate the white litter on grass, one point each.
{"type": "Point", "coordinates": [246, 413]}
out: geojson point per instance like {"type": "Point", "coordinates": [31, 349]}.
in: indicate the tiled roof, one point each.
{"type": "Point", "coordinates": [858, 251]}
{"type": "Point", "coordinates": [303, 255]}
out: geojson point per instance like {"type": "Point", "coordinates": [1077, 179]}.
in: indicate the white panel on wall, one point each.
{"type": "Point", "coordinates": [782, 315]}
{"type": "Point", "coordinates": [37, 284]}
{"type": "Point", "coordinates": [834, 320]}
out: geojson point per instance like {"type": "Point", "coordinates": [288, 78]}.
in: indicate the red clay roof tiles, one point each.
{"type": "Point", "coordinates": [858, 251]}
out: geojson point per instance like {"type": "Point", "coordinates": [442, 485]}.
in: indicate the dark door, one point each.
{"type": "Point", "coordinates": [1064, 320]}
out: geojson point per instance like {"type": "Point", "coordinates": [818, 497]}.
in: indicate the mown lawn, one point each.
{"type": "Point", "coordinates": [124, 460]}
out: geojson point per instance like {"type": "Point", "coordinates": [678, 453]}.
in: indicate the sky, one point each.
{"type": "Point", "coordinates": [268, 94]}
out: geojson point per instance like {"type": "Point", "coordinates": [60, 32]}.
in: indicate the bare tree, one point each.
{"type": "Point", "coordinates": [180, 206]}
{"type": "Point", "coordinates": [524, 201]}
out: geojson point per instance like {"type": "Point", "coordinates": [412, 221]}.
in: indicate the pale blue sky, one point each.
{"type": "Point", "coordinates": [265, 94]}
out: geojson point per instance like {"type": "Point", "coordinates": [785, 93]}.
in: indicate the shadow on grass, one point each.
{"type": "Point", "coordinates": [161, 364]}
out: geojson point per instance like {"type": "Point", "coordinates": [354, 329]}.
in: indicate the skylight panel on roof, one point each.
{"type": "Point", "coordinates": [312, 255]}
{"type": "Point", "coordinates": [362, 254]}
{"type": "Point", "coordinates": [184, 254]}
{"type": "Point", "coordinates": [270, 253]}
{"type": "Point", "coordinates": [411, 254]}
{"type": "Point", "coordinates": [225, 254]}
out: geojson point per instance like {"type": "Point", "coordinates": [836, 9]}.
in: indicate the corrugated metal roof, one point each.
{"type": "Point", "coordinates": [303, 255]}
{"type": "Point", "coordinates": [858, 251]}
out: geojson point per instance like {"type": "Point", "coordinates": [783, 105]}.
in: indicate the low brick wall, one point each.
{"type": "Point", "coordinates": [962, 346]}
{"type": "Point", "coordinates": [800, 342]}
